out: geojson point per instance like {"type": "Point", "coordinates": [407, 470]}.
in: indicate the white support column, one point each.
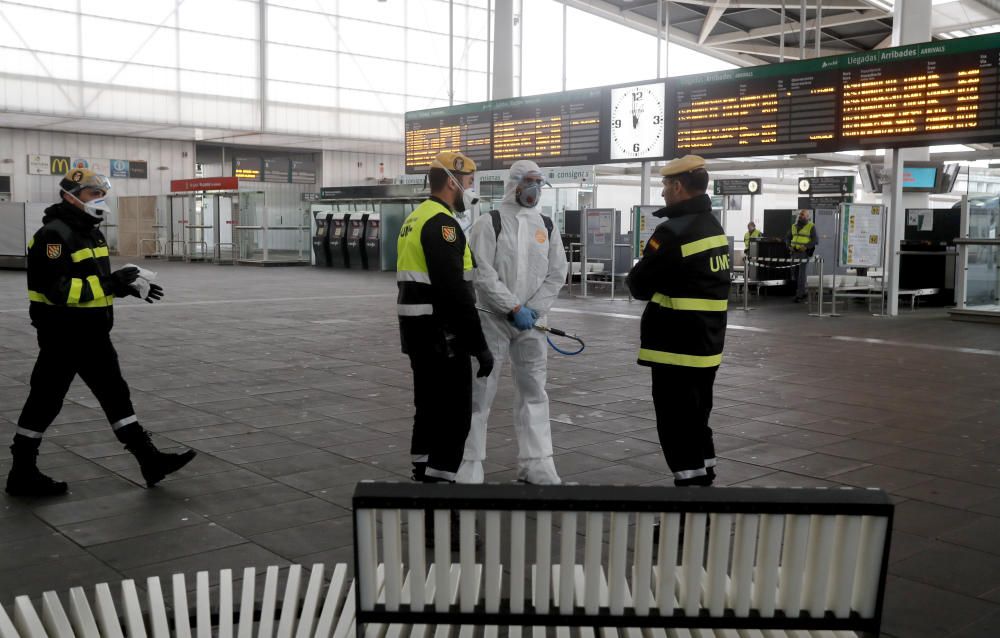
{"type": "Point", "coordinates": [451, 52]}
{"type": "Point", "coordinates": [895, 231]}
{"type": "Point", "coordinates": [644, 184]}
{"type": "Point", "coordinates": [908, 27]}
{"type": "Point", "coordinates": [564, 47]}
{"type": "Point", "coordinates": [802, 30]}
{"type": "Point", "coordinates": [503, 50]}
{"type": "Point", "coordinates": [261, 60]}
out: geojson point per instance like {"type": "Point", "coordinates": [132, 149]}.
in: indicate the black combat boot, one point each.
{"type": "Point", "coordinates": [155, 465]}
{"type": "Point", "coordinates": [25, 479]}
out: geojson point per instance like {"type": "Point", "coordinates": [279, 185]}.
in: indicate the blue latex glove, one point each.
{"type": "Point", "coordinates": [525, 318]}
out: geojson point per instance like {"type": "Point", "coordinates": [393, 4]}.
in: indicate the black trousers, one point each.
{"type": "Point", "coordinates": [682, 398]}
{"type": "Point", "coordinates": [62, 355]}
{"type": "Point", "coordinates": [442, 396]}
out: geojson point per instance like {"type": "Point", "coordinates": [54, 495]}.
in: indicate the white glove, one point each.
{"type": "Point", "coordinates": [141, 283]}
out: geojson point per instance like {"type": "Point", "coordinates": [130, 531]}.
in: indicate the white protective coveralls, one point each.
{"type": "Point", "coordinates": [526, 266]}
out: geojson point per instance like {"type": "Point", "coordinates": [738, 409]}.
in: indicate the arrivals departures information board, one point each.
{"type": "Point", "coordinates": [564, 128]}
{"type": "Point", "coordinates": [942, 92]}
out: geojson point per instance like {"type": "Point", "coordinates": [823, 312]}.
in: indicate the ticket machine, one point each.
{"type": "Point", "coordinates": [338, 240]}
{"type": "Point", "coordinates": [321, 237]}
{"type": "Point", "coordinates": [356, 240]}
{"type": "Point", "coordinates": [372, 255]}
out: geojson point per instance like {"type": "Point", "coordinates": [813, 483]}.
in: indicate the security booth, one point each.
{"type": "Point", "coordinates": [928, 254]}
{"type": "Point", "coordinates": [203, 218]}
{"type": "Point", "coordinates": [365, 222]}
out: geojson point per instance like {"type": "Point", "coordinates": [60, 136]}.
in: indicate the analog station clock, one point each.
{"type": "Point", "coordinates": [637, 121]}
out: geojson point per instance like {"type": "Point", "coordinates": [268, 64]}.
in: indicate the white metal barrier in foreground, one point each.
{"type": "Point", "coordinates": [321, 606]}
{"type": "Point", "coordinates": [729, 562]}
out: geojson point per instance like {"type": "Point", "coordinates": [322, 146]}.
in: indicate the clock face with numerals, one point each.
{"type": "Point", "coordinates": [637, 121]}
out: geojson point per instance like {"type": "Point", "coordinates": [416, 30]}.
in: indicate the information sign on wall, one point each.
{"type": "Point", "coordinates": [276, 169]}
{"type": "Point", "coordinates": [303, 171]}
{"type": "Point", "coordinates": [38, 165]}
{"type": "Point", "coordinates": [862, 227]}
{"type": "Point", "coordinates": [750, 186]}
{"type": "Point", "coordinates": [247, 168]}
{"type": "Point", "coordinates": [119, 168]}
{"type": "Point", "coordinates": [138, 170]}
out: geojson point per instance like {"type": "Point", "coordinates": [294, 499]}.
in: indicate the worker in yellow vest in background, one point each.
{"type": "Point", "coordinates": [802, 240]}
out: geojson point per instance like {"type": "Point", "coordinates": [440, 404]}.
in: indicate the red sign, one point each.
{"type": "Point", "coordinates": [205, 184]}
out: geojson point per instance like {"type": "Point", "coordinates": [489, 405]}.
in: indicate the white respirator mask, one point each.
{"type": "Point", "coordinates": [96, 208]}
{"type": "Point", "coordinates": [470, 198]}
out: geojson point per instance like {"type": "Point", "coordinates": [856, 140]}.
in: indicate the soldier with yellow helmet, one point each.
{"type": "Point", "coordinates": [438, 322]}
{"type": "Point", "coordinates": [684, 273]}
{"type": "Point", "coordinates": [71, 289]}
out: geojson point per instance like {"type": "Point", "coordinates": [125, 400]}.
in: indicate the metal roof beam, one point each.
{"type": "Point", "coordinates": [857, 5]}
{"type": "Point", "coordinates": [772, 51]}
{"type": "Point", "coordinates": [646, 25]}
{"type": "Point", "coordinates": [712, 19]}
{"type": "Point", "coordinates": [793, 27]}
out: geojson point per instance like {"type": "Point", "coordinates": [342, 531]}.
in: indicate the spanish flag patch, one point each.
{"type": "Point", "coordinates": [654, 243]}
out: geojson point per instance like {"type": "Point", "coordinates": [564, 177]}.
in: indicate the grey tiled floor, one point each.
{"type": "Point", "coordinates": [290, 384]}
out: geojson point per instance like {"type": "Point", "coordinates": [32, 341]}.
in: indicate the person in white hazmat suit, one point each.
{"type": "Point", "coordinates": [520, 268]}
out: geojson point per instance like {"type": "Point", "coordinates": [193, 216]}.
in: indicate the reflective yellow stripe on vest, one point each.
{"type": "Point", "coordinates": [411, 275]}
{"type": "Point", "coordinates": [708, 243]}
{"type": "Point", "coordinates": [686, 360]}
{"type": "Point", "coordinates": [690, 303]}
{"type": "Point", "coordinates": [95, 286]}
{"type": "Point", "coordinates": [75, 290]}
{"type": "Point", "coordinates": [88, 253]}
{"type": "Point", "coordinates": [100, 302]}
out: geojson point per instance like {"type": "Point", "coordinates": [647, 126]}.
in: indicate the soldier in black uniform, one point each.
{"type": "Point", "coordinates": [438, 321]}
{"type": "Point", "coordinates": [71, 288]}
{"type": "Point", "coordinates": [684, 273]}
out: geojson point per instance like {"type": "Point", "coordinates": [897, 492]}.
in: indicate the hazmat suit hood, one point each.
{"type": "Point", "coordinates": [518, 171]}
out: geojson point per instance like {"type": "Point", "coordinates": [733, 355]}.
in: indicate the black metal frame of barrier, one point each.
{"type": "Point", "coordinates": [618, 498]}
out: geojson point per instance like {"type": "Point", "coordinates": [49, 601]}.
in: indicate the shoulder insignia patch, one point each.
{"type": "Point", "coordinates": [654, 243]}
{"type": "Point", "coordinates": [449, 233]}
{"type": "Point", "coordinates": [53, 251]}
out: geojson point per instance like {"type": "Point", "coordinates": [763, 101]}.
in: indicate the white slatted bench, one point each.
{"type": "Point", "coordinates": [753, 562]}
{"type": "Point", "coordinates": [318, 606]}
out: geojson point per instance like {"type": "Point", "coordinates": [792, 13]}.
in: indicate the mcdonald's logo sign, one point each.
{"type": "Point", "coordinates": [58, 165]}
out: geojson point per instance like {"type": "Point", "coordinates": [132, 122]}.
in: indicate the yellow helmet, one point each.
{"type": "Point", "coordinates": [454, 162]}
{"type": "Point", "coordinates": [78, 179]}
{"type": "Point", "coordinates": [680, 165]}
